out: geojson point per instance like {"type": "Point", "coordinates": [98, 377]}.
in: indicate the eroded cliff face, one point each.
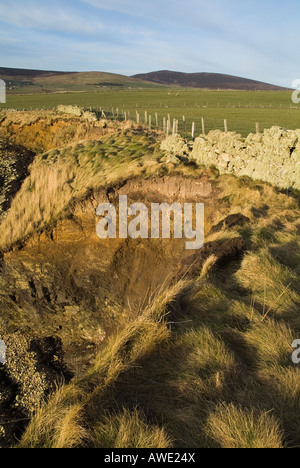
{"type": "Point", "coordinates": [68, 283]}
{"type": "Point", "coordinates": [42, 131]}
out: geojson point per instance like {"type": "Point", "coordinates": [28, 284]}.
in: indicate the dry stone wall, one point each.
{"type": "Point", "coordinates": [272, 156]}
{"type": "Point", "coordinates": [90, 116]}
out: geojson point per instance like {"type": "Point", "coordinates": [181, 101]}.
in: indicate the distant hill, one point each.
{"type": "Point", "coordinates": [20, 73]}
{"type": "Point", "coordinates": [206, 80]}
{"type": "Point", "coordinates": [43, 81]}
{"type": "Point", "coordinates": [37, 81]}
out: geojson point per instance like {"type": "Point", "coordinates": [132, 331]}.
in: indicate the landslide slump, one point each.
{"type": "Point", "coordinates": [68, 283]}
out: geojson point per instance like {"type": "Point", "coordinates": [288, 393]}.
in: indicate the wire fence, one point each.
{"type": "Point", "coordinates": [166, 123]}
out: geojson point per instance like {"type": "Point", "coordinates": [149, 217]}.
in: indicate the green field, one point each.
{"type": "Point", "coordinates": [242, 109]}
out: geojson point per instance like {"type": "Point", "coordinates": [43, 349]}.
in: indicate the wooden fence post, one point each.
{"type": "Point", "coordinates": [150, 121]}
{"type": "Point", "coordinates": [257, 127]}
{"type": "Point", "coordinates": [156, 119]}
{"type": "Point", "coordinates": [225, 126]}
{"type": "Point", "coordinates": [164, 124]}
{"type": "Point", "coordinates": [174, 127]}
{"type": "Point", "coordinates": [146, 117]}
{"type": "Point", "coordinates": [168, 127]}
{"type": "Point", "coordinates": [203, 126]}
{"type": "Point", "coordinates": [193, 130]}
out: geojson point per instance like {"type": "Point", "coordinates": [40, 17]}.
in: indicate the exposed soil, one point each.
{"type": "Point", "coordinates": [14, 163]}
{"type": "Point", "coordinates": [224, 252]}
{"type": "Point", "coordinates": [40, 134]}
{"type": "Point", "coordinates": [67, 281]}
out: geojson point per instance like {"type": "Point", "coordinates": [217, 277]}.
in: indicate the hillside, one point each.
{"type": "Point", "coordinates": [41, 81]}
{"type": "Point", "coordinates": [206, 80]}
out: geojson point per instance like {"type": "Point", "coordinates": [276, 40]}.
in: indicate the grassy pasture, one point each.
{"type": "Point", "coordinates": [242, 109]}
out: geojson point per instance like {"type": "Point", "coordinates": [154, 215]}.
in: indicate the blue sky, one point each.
{"type": "Point", "coordinates": [249, 38]}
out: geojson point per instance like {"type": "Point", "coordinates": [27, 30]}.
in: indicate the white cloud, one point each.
{"type": "Point", "coordinates": [48, 16]}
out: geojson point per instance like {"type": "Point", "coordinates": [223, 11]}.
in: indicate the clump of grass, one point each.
{"type": "Point", "coordinates": [208, 266]}
{"type": "Point", "coordinates": [57, 423]}
{"type": "Point", "coordinates": [208, 304]}
{"type": "Point", "coordinates": [234, 427]}
{"type": "Point", "coordinates": [281, 384]}
{"type": "Point", "coordinates": [272, 342]}
{"type": "Point", "coordinates": [209, 366]}
{"type": "Point", "coordinates": [269, 281]}
{"type": "Point", "coordinates": [129, 430]}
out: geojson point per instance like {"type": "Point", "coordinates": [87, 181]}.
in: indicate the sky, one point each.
{"type": "Point", "coordinates": [257, 39]}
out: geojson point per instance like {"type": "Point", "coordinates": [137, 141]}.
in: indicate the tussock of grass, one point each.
{"type": "Point", "coordinates": [69, 432]}
{"type": "Point", "coordinates": [129, 430]}
{"type": "Point", "coordinates": [56, 424]}
{"type": "Point", "coordinates": [270, 281]}
{"type": "Point", "coordinates": [272, 342]}
{"type": "Point", "coordinates": [208, 266]}
{"type": "Point", "coordinates": [234, 427]}
{"type": "Point", "coordinates": [208, 368]}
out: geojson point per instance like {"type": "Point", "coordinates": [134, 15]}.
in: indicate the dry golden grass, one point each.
{"type": "Point", "coordinates": [57, 424]}
{"type": "Point", "coordinates": [233, 427]}
{"type": "Point", "coordinates": [272, 341]}
{"type": "Point", "coordinates": [269, 281]}
{"type": "Point", "coordinates": [129, 430]}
